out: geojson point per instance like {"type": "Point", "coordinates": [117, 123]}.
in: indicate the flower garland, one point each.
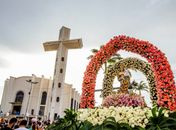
{"type": "Point", "coordinates": [129, 63]}
{"type": "Point", "coordinates": [165, 85]}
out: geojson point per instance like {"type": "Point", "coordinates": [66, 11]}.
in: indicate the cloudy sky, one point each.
{"type": "Point", "coordinates": [25, 25]}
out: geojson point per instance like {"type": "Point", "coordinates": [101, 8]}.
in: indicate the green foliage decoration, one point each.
{"type": "Point", "coordinates": [160, 120]}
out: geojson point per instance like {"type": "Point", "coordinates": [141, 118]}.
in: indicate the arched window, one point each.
{"type": "Point", "coordinates": [19, 97]}
{"type": "Point", "coordinates": [43, 100]}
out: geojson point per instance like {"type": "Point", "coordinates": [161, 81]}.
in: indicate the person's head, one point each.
{"type": "Point", "coordinates": [23, 123]}
{"type": "Point", "coordinates": [12, 122]}
{"type": "Point", "coordinates": [34, 125]}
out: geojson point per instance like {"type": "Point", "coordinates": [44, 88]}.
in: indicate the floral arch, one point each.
{"type": "Point", "coordinates": [165, 85]}
{"type": "Point", "coordinates": [129, 63]}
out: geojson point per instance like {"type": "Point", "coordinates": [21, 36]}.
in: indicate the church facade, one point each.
{"type": "Point", "coordinates": [32, 96]}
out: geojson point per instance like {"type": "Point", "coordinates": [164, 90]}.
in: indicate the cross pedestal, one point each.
{"type": "Point", "coordinates": [61, 46]}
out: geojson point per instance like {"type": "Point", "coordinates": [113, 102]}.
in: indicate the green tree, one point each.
{"type": "Point", "coordinates": [142, 86]}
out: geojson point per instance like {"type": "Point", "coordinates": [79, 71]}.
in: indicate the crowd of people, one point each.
{"type": "Point", "coordinates": [23, 124]}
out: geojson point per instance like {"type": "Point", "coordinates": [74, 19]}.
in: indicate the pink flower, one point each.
{"type": "Point", "coordinates": [121, 99]}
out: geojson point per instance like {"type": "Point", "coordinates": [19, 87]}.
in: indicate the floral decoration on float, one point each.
{"type": "Point", "coordinates": [165, 85]}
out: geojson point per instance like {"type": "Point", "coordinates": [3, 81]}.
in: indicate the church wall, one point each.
{"type": "Point", "coordinates": [20, 84]}
{"type": "Point", "coordinates": [14, 85]}
{"type": "Point", "coordinates": [4, 101]}
{"type": "Point", "coordinates": [66, 96]}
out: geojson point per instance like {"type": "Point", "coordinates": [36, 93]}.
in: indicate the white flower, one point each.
{"type": "Point", "coordinates": [133, 116]}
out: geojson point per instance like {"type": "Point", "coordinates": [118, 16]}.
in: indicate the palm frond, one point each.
{"type": "Point", "coordinates": [101, 46]}
{"type": "Point", "coordinates": [111, 61]}
{"type": "Point", "coordinates": [89, 57]}
{"type": "Point", "coordinates": [94, 51]}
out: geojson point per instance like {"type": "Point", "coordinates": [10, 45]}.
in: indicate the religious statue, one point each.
{"type": "Point", "coordinates": [124, 79]}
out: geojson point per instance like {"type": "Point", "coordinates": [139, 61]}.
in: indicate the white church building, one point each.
{"type": "Point", "coordinates": [40, 96]}
{"type": "Point", "coordinates": [32, 96]}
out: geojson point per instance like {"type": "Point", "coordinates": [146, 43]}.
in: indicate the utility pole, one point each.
{"type": "Point", "coordinates": [31, 83]}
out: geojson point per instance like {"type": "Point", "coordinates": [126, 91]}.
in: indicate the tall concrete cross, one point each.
{"type": "Point", "coordinates": [61, 46]}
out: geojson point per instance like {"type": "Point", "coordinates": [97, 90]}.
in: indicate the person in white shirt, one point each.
{"type": "Point", "coordinates": [22, 125]}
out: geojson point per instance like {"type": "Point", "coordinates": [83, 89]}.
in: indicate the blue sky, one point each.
{"type": "Point", "coordinates": [25, 25]}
